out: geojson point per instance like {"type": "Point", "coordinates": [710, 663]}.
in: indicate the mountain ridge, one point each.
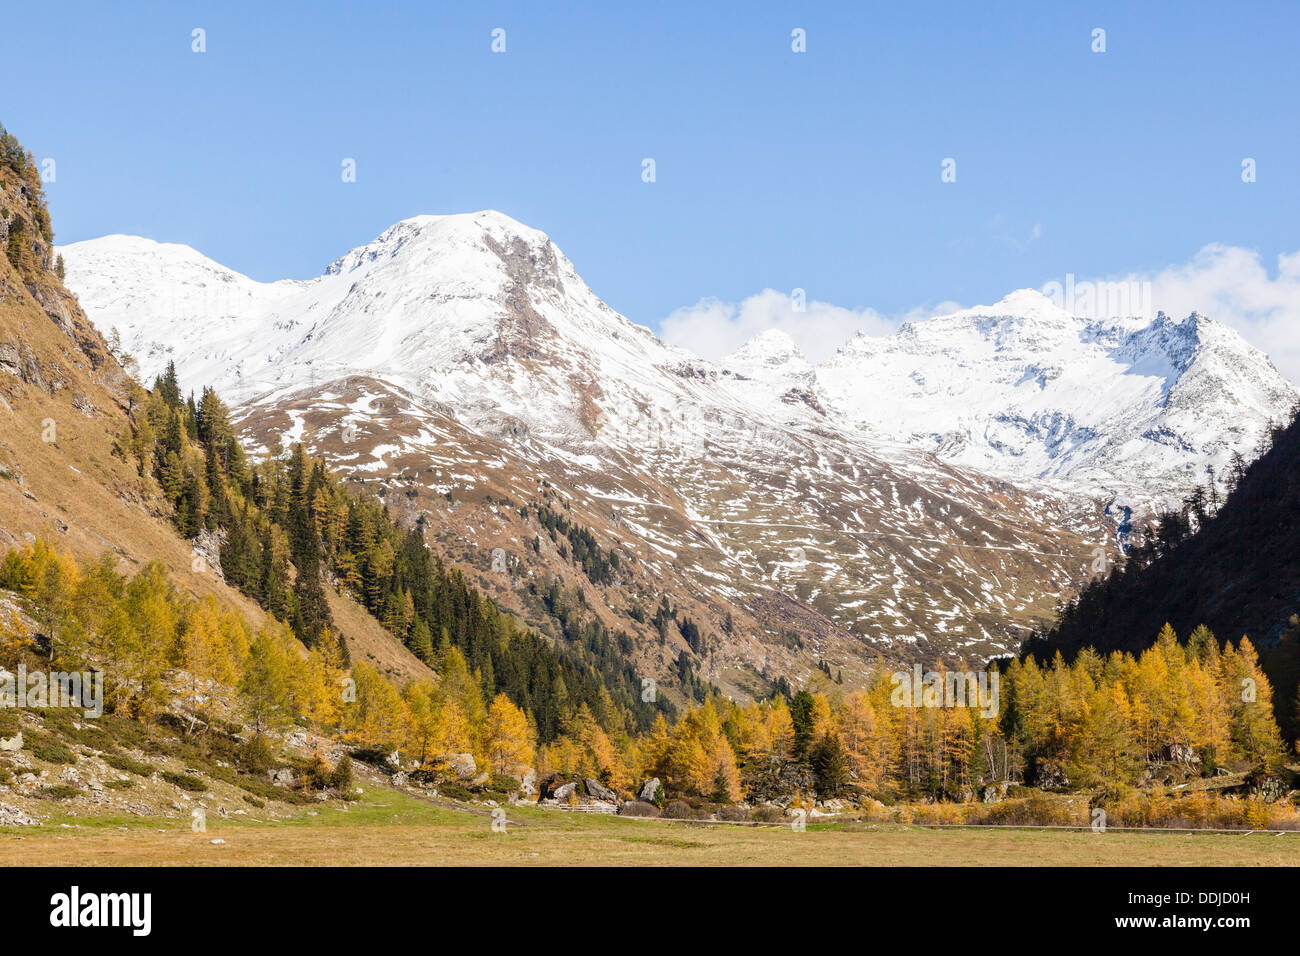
{"type": "Point", "coordinates": [473, 260]}
{"type": "Point", "coordinates": [460, 361]}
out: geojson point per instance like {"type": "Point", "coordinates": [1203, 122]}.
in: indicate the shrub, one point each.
{"type": "Point", "coordinates": [377, 757]}
{"type": "Point", "coordinates": [733, 814]}
{"type": "Point", "coordinates": [122, 783]}
{"type": "Point", "coordinates": [254, 755]}
{"type": "Point", "coordinates": [455, 791]}
{"type": "Point", "coordinates": [681, 810]}
{"type": "Point", "coordinates": [260, 787]}
{"type": "Point", "coordinates": [874, 812]}
{"type": "Point", "coordinates": [95, 738]}
{"type": "Point", "coordinates": [767, 814]}
{"type": "Point", "coordinates": [1038, 810]}
{"type": "Point", "coordinates": [639, 808]}
{"type": "Point", "coordinates": [316, 776]}
{"type": "Point", "coordinates": [941, 812]}
{"type": "Point", "coordinates": [185, 781]}
{"type": "Point", "coordinates": [128, 765]}
{"type": "Point", "coordinates": [53, 752]}
{"type": "Point", "coordinates": [60, 791]}
{"type": "Point", "coordinates": [1209, 761]}
{"type": "Point", "coordinates": [425, 774]}
{"type": "Point", "coordinates": [341, 776]}
{"type": "Point", "coordinates": [1256, 816]}
{"type": "Point", "coordinates": [159, 747]}
{"type": "Point", "coordinates": [219, 746]}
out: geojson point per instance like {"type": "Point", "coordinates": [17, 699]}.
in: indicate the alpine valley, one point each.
{"type": "Point", "coordinates": [929, 495]}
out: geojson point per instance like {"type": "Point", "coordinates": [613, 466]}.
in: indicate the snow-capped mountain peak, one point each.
{"type": "Point", "coordinates": [771, 349]}
{"type": "Point", "coordinates": [449, 234]}
{"type": "Point", "coordinates": [488, 316]}
{"type": "Point", "coordinates": [1022, 388]}
{"type": "Point", "coordinates": [441, 304]}
{"type": "Point", "coordinates": [1028, 304]}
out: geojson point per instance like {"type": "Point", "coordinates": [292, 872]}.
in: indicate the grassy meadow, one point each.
{"type": "Point", "coordinates": [388, 827]}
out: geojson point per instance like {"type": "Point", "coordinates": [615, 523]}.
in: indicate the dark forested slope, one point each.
{"type": "Point", "coordinates": [1234, 567]}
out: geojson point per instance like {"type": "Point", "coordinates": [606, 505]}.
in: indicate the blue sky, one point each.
{"type": "Point", "coordinates": [818, 170]}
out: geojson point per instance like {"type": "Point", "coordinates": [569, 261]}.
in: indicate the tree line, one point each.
{"type": "Point", "coordinates": [159, 649]}
{"type": "Point", "coordinates": [289, 528]}
{"type": "Point", "coordinates": [1091, 723]}
{"type": "Point", "coordinates": [1069, 726]}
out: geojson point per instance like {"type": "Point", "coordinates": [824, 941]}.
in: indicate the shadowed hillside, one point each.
{"type": "Point", "coordinates": [1234, 569]}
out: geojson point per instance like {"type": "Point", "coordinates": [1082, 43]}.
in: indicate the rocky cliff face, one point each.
{"type": "Point", "coordinates": [64, 352]}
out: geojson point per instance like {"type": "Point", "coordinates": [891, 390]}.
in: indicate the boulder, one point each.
{"type": "Point", "coordinates": [13, 817]}
{"type": "Point", "coordinates": [650, 790]}
{"type": "Point", "coordinates": [598, 792]}
{"type": "Point", "coordinates": [551, 782]}
{"type": "Point", "coordinates": [528, 782]}
{"type": "Point", "coordinates": [12, 743]}
{"type": "Point", "coordinates": [564, 792]}
{"type": "Point", "coordinates": [10, 360]}
{"type": "Point", "coordinates": [1051, 776]}
{"type": "Point", "coordinates": [462, 765]}
{"type": "Point", "coordinates": [399, 779]}
{"type": "Point", "coordinates": [284, 777]}
{"type": "Point", "coordinates": [1265, 785]}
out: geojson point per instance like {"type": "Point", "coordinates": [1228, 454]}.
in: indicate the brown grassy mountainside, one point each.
{"type": "Point", "coordinates": [63, 399]}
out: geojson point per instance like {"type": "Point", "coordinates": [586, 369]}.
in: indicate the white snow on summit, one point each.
{"type": "Point", "coordinates": [771, 349]}
{"type": "Point", "coordinates": [1026, 390]}
{"type": "Point", "coordinates": [488, 318]}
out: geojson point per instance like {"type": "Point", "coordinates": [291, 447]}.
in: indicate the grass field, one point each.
{"type": "Point", "coordinates": [391, 828]}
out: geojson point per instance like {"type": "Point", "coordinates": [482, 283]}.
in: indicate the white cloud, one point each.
{"type": "Point", "coordinates": [1227, 283]}
{"type": "Point", "coordinates": [713, 329]}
